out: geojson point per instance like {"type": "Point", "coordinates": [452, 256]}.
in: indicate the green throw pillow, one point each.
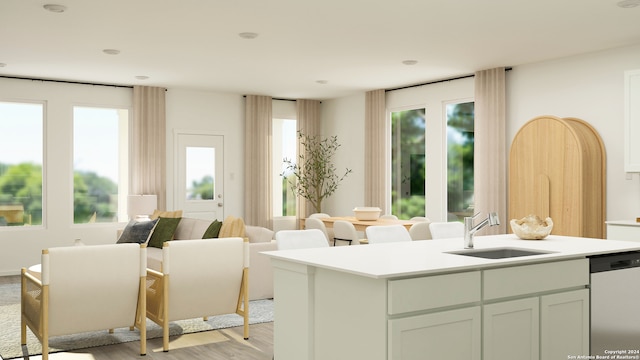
{"type": "Point", "coordinates": [137, 232]}
{"type": "Point", "coordinates": [213, 230]}
{"type": "Point", "coordinates": [163, 231]}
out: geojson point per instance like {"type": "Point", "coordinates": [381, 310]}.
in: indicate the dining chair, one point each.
{"type": "Point", "coordinates": [318, 215]}
{"type": "Point", "coordinates": [300, 239]}
{"type": "Point", "coordinates": [378, 234]}
{"type": "Point", "coordinates": [388, 217]}
{"type": "Point", "coordinates": [420, 231]}
{"type": "Point", "coordinates": [316, 223]}
{"type": "Point", "coordinates": [446, 230]}
{"type": "Point", "coordinates": [419, 218]}
{"type": "Point", "coordinates": [345, 231]}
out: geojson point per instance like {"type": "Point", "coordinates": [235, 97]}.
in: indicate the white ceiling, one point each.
{"type": "Point", "coordinates": [353, 45]}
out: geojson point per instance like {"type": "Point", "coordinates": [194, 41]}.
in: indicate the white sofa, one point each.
{"type": "Point", "coordinates": [260, 239]}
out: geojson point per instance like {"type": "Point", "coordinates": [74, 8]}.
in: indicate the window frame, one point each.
{"type": "Point", "coordinates": [124, 139]}
{"type": "Point", "coordinates": [44, 166]}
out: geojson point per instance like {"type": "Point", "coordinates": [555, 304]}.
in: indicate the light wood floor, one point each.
{"type": "Point", "coordinates": [217, 344]}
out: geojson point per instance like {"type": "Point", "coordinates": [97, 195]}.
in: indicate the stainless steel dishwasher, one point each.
{"type": "Point", "coordinates": [615, 303]}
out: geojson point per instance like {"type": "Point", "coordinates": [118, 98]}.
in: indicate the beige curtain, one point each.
{"type": "Point", "coordinates": [375, 150]}
{"type": "Point", "coordinates": [148, 163]}
{"type": "Point", "coordinates": [308, 122]}
{"type": "Point", "coordinates": [258, 201]}
{"type": "Point", "coordinates": [490, 153]}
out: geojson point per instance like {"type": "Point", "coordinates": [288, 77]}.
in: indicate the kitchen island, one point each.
{"type": "Point", "coordinates": [431, 300]}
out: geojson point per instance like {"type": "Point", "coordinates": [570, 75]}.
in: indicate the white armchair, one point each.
{"type": "Point", "coordinates": [85, 288]}
{"type": "Point", "coordinates": [199, 278]}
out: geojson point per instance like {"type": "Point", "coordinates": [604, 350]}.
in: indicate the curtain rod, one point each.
{"type": "Point", "coordinates": [439, 81]}
{"type": "Point", "coordinates": [66, 81]}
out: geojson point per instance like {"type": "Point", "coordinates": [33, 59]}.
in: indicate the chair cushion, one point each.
{"type": "Point", "coordinates": [213, 230]}
{"type": "Point", "coordinates": [137, 232]}
{"type": "Point", "coordinates": [163, 231]}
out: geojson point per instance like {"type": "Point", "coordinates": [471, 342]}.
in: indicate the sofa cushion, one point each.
{"type": "Point", "coordinates": [191, 228]}
{"type": "Point", "coordinates": [136, 232]}
{"type": "Point", "coordinates": [163, 231]}
{"type": "Point", "coordinates": [258, 234]}
{"type": "Point", "coordinates": [232, 227]}
{"type": "Point", "coordinates": [213, 230]}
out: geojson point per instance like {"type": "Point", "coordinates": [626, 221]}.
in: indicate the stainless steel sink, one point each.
{"type": "Point", "coordinates": [499, 253]}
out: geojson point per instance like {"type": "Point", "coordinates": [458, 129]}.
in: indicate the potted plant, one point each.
{"type": "Point", "coordinates": [314, 176]}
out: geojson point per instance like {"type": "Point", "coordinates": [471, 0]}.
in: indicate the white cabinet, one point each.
{"type": "Point", "coordinates": [628, 230]}
{"type": "Point", "coordinates": [547, 327]}
{"type": "Point", "coordinates": [511, 330]}
{"type": "Point", "coordinates": [564, 321]}
{"type": "Point", "coordinates": [535, 311]}
{"type": "Point", "coordinates": [451, 335]}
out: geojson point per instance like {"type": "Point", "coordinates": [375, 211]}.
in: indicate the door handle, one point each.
{"type": "Point", "coordinates": [220, 204]}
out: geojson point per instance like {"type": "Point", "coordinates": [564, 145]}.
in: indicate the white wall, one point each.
{"type": "Point", "coordinates": [21, 246]}
{"type": "Point", "coordinates": [590, 87]}
{"type": "Point", "coordinates": [210, 112]}
{"type": "Point", "coordinates": [344, 117]}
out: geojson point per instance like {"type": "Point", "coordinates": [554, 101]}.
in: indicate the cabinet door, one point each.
{"type": "Point", "coordinates": [564, 320]}
{"type": "Point", "coordinates": [451, 335]}
{"type": "Point", "coordinates": [511, 330]}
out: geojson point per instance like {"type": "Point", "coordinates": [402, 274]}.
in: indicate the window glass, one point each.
{"type": "Point", "coordinates": [284, 147]}
{"type": "Point", "coordinates": [21, 163]}
{"type": "Point", "coordinates": [200, 168]}
{"type": "Point", "coordinates": [408, 129]}
{"type": "Point", "coordinates": [100, 139]}
{"type": "Point", "coordinates": [460, 145]}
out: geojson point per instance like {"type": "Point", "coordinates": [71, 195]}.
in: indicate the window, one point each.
{"type": "Point", "coordinates": [100, 153]}
{"type": "Point", "coordinates": [200, 169]}
{"type": "Point", "coordinates": [284, 147]}
{"type": "Point", "coordinates": [460, 145]}
{"type": "Point", "coordinates": [408, 163]}
{"type": "Point", "coordinates": [21, 163]}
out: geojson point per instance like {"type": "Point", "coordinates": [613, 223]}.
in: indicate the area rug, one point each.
{"type": "Point", "coordinates": [260, 311]}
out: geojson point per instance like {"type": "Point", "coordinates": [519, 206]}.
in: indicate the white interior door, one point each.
{"type": "Point", "coordinates": [199, 173]}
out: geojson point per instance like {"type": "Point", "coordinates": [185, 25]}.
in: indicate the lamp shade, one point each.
{"type": "Point", "coordinates": [141, 205]}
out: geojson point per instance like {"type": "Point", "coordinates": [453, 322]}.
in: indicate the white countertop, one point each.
{"type": "Point", "coordinates": [430, 256]}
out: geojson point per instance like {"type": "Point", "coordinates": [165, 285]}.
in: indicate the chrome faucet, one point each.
{"type": "Point", "coordinates": [470, 230]}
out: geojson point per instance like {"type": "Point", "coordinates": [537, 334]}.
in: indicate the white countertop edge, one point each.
{"type": "Point", "coordinates": [623, 222]}
{"type": "Point", "coordinates": [397, 260]}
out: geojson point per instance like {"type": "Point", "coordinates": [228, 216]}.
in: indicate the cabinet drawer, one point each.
{"type": "Point", "coordinates": [529, 279]}
{"type": "Point", "coordinates": [431, 292]}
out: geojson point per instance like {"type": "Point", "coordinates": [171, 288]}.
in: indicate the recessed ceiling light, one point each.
{"type": "Point", "coordinates": [55, 8]}
{"type": "Point", "coordinates": [627, 4]}
{"type": "Point", "coordinates": [248, 35]}
{"type": "Point", "coordinates": [111, 51]}
{"type": "Point", "coordinates": [142, 77]}
{"type": "Point", "coordinates": [410, 62]}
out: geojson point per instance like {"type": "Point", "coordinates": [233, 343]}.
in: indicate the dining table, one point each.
{"type": "Point", "coordinates": [361, 225]}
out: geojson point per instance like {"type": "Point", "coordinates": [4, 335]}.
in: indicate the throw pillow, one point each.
{"type": "Point", "coordinates": [163, 231]}
{"type": "Point", "coordinates": [165, 214]}
{"type": "Point", "coordinates": [232, 227]}
{"type": "Point", "coordinates": [213, 230]}
{"type": "Point", "coordinates": [137, 232]}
